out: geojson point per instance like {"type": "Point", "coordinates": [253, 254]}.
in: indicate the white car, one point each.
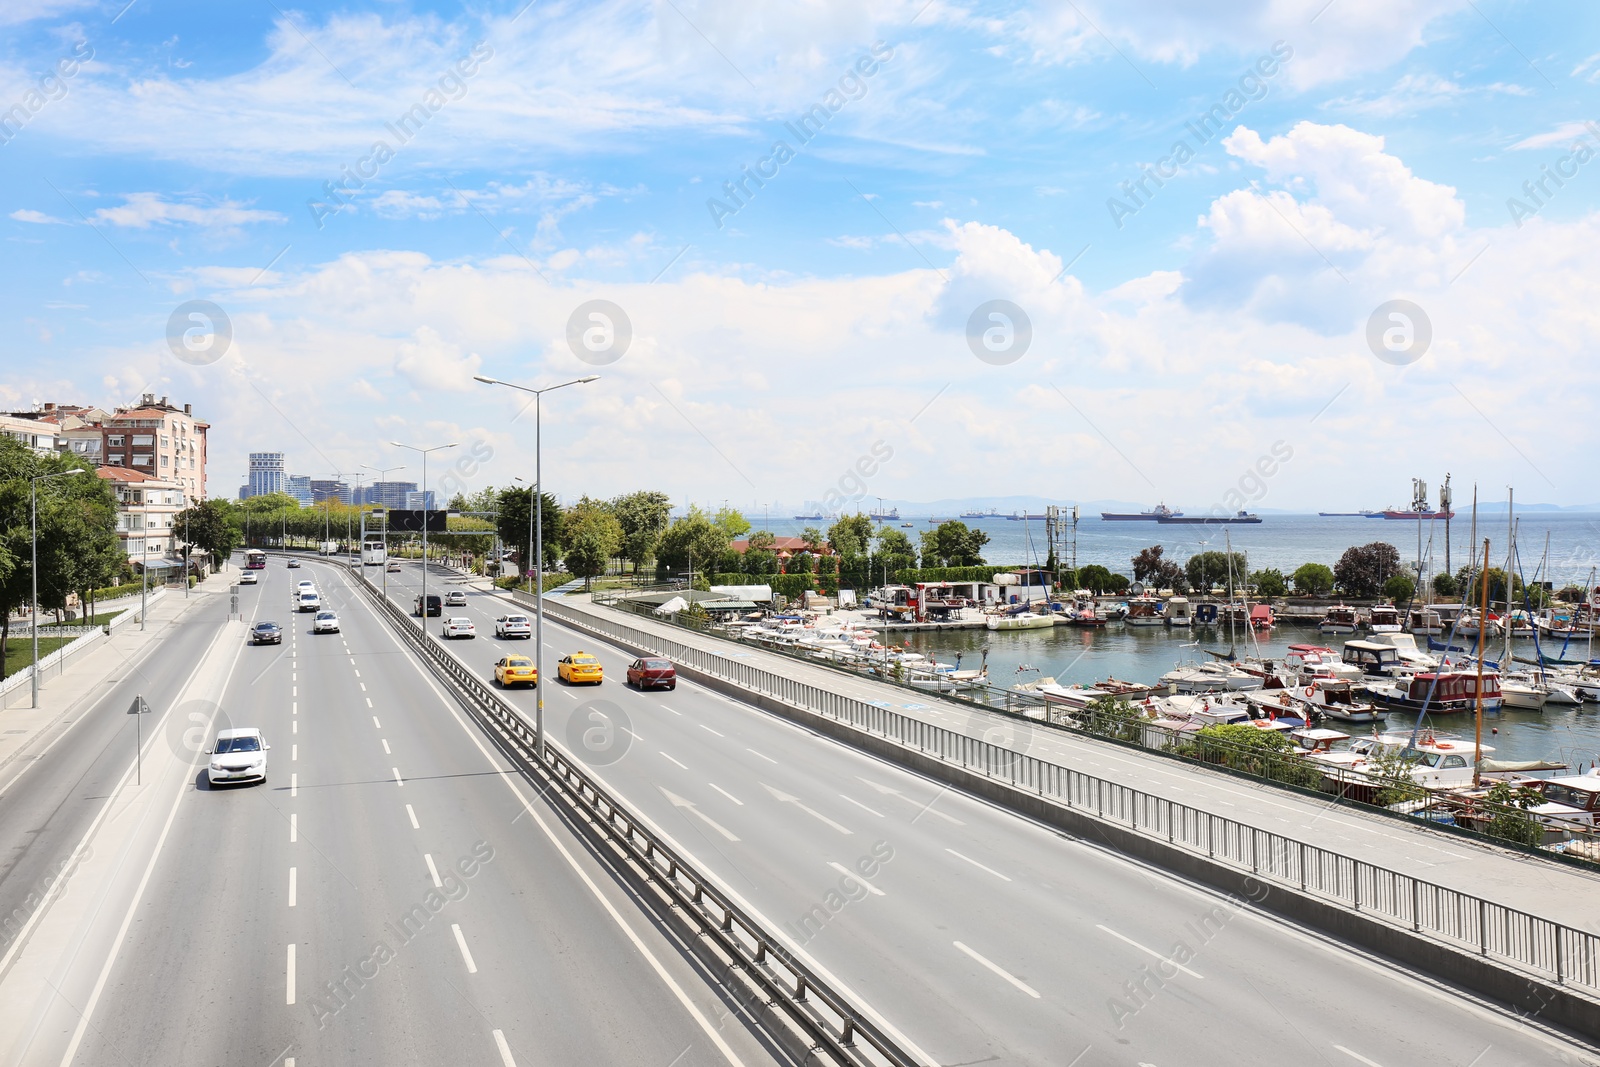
{"type": "Point", "coordinates": [308, 600]}
{"type": "Point", "coordinates": [238, 756]}
{"type": "Point", "coordinates": [455, 599]}
{"type": "Point", "coordinates": [326, 622]}
{"type": "Point", "coordinates": [248, 578]}
{"type": "Point", "coordinates": [459, 628]}
{"type": "Point", "coordinates": [513, 626]}
{"type": "Point", "coordinates": [306, 583]}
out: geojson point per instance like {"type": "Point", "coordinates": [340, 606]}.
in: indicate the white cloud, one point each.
{"type": "Point", "coordinates": [1419, 92]}
{"type": "Point", "coordinates": [1560, 137]}
{"type": "Point", "coordinates": [37, 217]}
{"type": "Point", "coordinates": [143, 210]}
{"type": "Point", "coordinates": [431, 363]}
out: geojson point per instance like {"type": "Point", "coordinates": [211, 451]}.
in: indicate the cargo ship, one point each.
{"type": "Point", "coordinates": [1178, 518]}
{"type": "Point", "coordinates": [1158, 513]}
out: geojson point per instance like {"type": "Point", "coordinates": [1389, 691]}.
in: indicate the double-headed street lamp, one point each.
{"type": "Point", "coordinates": [34, 520]}
{"type": "Point", "coordinates": [538, 536]}
{"type": "Point", "coordinates": [424, 612]}
{"type": "Point", "coordinates": [383, 477]}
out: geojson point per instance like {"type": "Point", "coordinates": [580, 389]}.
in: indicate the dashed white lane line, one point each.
{"type": "Point", "coordinates": [376, 723]}
{"type": "Point", "coordinates": [363, 686]}
{"type": "Point", "coordinates": [369, 702]}
{"type": "Point", "coordinates": [842, 869]}
{"type": "Point", "coordinates": [1357, 1056]}
{"type": "Point", "coordinates": [294, 829]}
{"type": "Point", "coordinates": [294, 726]}
{"type": "Point", "coordinates": [293, 880]}
{"type": "Point", "coordinates": [674, 711]}
{"type": "Point", "coordinates": [358, 674]}
{"type": "Point", "coordinates": [725, 793]}
{"type": "Point", "coordinates": [980, 866]}
{"type": "Point", "coordinates": [397, 779]}
{"type": "Point", "coordinates": [499, 1038]}
{"type": "Point", "coordinates": [294, 753]}
{"type": "Point", "coordinates": [860, 805]}
{"type": "Point", "coordinates": [414, 824]}
{"type": "Point", "coordinates": [663, 753]}
{"type": "Point", "coordinates": [709, 730]}
{"type": "Point", "coordinates": [294, 785]}
{"type": "Point", "coordinates": [753, 752]}
{"type": "Point", "coordinates": [289, 981]}
{"type": "Point", "coordinates": [432, 870]}
{"type": "Point", "coordinates": [294, 676]}
{"type": "Point", "coordinates": [461, 943]}
{"type": "Point", "coordinates": [1001, 971]}
{"type": "Point", "coordinates": [386, 751]}
{"type": "Point", "coordinates": [1148, 951]}
{"type": "Point", "coordinates": [294, 690]}
{"type": "Point", "coordinates": [294, 707]}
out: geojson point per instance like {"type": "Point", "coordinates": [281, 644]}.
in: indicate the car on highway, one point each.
{"type": "Point", "coordinates": [393, 567]}
{"type": "Point", "coordinates": [434, 606]}
{"type": "Point", "coordinates": [308, 600]}
{"type": "Point", "coordinates": [455, 599]}
{"type": "Point", "coordinates": [248, 578]}
{"type": "Point", "coordinates": [458, 627]}
{"type": "Point", "coordinates": [294, 564]}
{"type": "Point", "coordinates": [238, 756]}
{"type": "Point", "coordinates": [326, 622]}
{"type": "Point", "coordinates": [652, 672]}
{"type": "Point", "coordinates": [266, 633]}
{"type": "Point", "coordinates": [514, 670]}
{"type": "Point", "coordinates": [578, 667]}
{"type": "Point", "coordinates": [306, 583]}
{"type": "Point", "coordinates": [513, 626]}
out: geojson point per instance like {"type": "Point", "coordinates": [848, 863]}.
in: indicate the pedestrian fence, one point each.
{"type": "Point", "coordinates": [1549, 950]}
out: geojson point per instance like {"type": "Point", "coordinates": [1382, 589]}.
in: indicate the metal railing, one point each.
{"type": "Point", "coordinates": [1544, 948]}
{"type": "Point", "coordinates": [831, 1021]}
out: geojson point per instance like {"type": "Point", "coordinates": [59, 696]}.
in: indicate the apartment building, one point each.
{"type": "Point", "coordinates": [160, 441]}
{"type": "Point", "coordinates": [41, 436]}
{"type": "Point", "coordinates": [146, 509]}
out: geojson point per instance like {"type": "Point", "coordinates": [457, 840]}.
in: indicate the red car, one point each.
{"type": "Point", "coordinates": [652, 672]}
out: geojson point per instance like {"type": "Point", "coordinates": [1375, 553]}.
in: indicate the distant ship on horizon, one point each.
{"type": "Point", "coordinates": [1155, 514]}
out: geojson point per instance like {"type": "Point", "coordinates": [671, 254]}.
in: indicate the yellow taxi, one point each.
{"type": "Point", "coordinates": [579, 667]}
{"type": "Point", "coordinates": [515, 670]}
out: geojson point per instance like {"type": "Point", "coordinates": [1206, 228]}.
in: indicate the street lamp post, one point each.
{"type": "Point", "coordinates": [383, 476]}
{"type": "Point", "coordinates": [538, 543]}
{"type": "Point", "coordinates": [530, 556]}
{"type": "Point", "coordinates": [34, 521]}
{"type": "Point", "coordinates": [423, 614]}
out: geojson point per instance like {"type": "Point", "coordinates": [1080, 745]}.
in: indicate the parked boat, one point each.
{"type": "Point", "coordinates": [1405, 646]}
{"type": "Point", "coordinates": [1440, 763]}
{"type": "Point", "coordinates": [1443, 692]}
{"type": "Point", "coordinates": [1338, 619]}
{"type": "Point", "coordinates": [1179, 612]}
{"type": "Point", "coordinates": [1025, 621]}
{"type": "Point", "coordinates": [1424, 621]}
{"type": "Point", "coordinates": [1210, 677]}
{"type": "Point", "coordinates": [1144, 611]}
{"type": "Point", "coordinates": [1084, 612]}
{"type": "Point", "coordinates": [1383, 619]}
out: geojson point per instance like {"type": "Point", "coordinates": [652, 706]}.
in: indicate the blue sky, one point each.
{"type": "Point", "coordinates": [1363, 153]}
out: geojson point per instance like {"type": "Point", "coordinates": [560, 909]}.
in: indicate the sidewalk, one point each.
{"type": "Point", "coordinates": [87, 676]}
{"type": "Point", "coordinates": [1530, 883]}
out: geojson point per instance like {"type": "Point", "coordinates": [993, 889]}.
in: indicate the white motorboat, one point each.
{"type": "Point", "coordinates": [1522, 692]}
{"type": "Point", "coordinates": [1425, 621]}
{"type": "Point", "coordinates": [1440, 763]}
{"type": "Point", "coordinates": [1406, 649]}
{"type": "Point", "coordinates": [1214, 676]}
{"type": "Point", "coordinates": [1338, 619]}
{"type": "Point", "coordinates": [1384, 619]}
{"type": "Point", "coordinates": [1025, 621]}
{"type": "Point", "coordinates": [1144, 611]}
{"type": "Point", "coordinates": [1179, 611]}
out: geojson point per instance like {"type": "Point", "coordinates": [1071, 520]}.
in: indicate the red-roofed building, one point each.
{"type": "Point", "coordinates": [784, 547]}
{"type": "Point", "coordinates": [161, 440]}
{"type": "Point", "coordinates": [146, 507]}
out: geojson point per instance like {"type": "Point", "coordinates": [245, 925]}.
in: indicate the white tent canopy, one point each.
{"type": "Point", "coordinates": [672, 606]}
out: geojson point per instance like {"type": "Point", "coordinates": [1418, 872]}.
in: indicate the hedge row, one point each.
{"type": "Point", "coordinates": [118, 590]}
{"type": "Point", "coordinates": [984, 573]}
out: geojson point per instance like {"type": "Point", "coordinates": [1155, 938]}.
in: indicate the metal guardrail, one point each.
{"type": "Point", "coordinates": [1544, 948]}
{"type": "Point", "coordinates": [782, 977]}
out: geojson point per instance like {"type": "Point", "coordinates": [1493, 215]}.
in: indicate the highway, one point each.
{"type": "Point", "coordinates": [392, 894]}
{"type": "Point", "coordinates": [981, 936]}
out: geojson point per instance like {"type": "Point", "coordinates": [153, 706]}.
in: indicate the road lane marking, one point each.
{"type": "Point", "coordinates": [294, 690]}
{"type": "Point", "coordinates": [673, 760]}
{"type": "Point", "coordinates": [499, 1038]}
{"type": "Point", "coordinates": [358, 674]}
{"type": "Point", "coordinates": [289, 983]}
{"type": "Point", "coordinates": [1001, 971]}
{"type": "Point", "coordinates": [860, 805]}
{"type": "Point", "coordinates": [980, 866]}
{"type": "Point", "coordinates": [846, 871]}
{"type": "Point", "coordinates": [294, 753]}
{"type": "Point", "coordinates": [674, 711]}
{"type": "Point", "coordinates": [432, 870]}
{"type": "Point", "coordinates": [376, 723]}
{"type": "Point", "coordinates": [414, 824]}
{"type": "Point", "coordinates": [679, 802]}
{"type": "Point", "coordinates": [292, 880]}
{"type": "Point", "coordinates": [294, 785]}
{"type": "Point", "coordinates": [363, 686]}
{"type": "Point", "coordinates": [386, 751]}
{"type": "Point", "coordinates": [1149, 951]}
{"type": "Point", "coordinates": [294, 726]}
{"type": "Point", "coordinates": [294, 676]}
{"type": "Point", "coordinates": [725, 793]}
{"type": "Point", "coordinates": [294, 828]}
{"type": "Point", "coordinates": [753, 752]}
{"type": "Point", "coordinates": [708, 729]}
{"type": "Point", "coordinates": [1357, 1056]}
{"type": "Point", "coordinates": [294, 707]}
{"type": "Point", "coordinates": [397, 779]}
{"type": "Point", "coordinates": [461, 943]}
{"type": "Point", "coordinates": [788, 798]}
{"type": "Point", "coordinates": [369, 702]}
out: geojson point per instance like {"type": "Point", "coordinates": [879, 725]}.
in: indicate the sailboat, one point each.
{"type": "Point", "coordinates": [1025, 618]}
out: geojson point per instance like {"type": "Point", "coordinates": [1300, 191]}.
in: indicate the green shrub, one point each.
{"type": "Point", "coordinates": [1265, 753]}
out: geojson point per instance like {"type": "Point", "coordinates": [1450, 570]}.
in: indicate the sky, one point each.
{"type": "Point", "coordinates": [1259, 254]}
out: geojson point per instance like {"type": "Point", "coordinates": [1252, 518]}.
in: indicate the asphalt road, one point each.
{"type": "Point", "coordinates": [389, 895]}
{"type": "Point", "coordinates": [979, 935]}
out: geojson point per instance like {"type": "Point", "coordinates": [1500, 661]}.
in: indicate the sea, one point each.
{"type": "Point", "coordinates": [1569, 734]}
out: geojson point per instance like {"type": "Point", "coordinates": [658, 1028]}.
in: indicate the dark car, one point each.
{"type": "Point", "coordinates": [435, 606]}
{"type": "Point", "coordinates": [293, 564]}
{"type": "Point", "coordinates": [653, 672]}
{"type": "Point", "coordinates": [266, 633]}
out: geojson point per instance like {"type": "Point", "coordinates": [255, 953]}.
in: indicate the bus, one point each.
{"type": "Point", "coordinates": [255, 559]}
{"type": "Point", "coordinates": [374, 553]}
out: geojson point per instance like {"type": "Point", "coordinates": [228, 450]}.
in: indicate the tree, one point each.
{"type": "Point", "coordinates": [1445, 585]}
{"type": "Point", "coordinates": [759, 558]}
{"type": "Point", "coordinates": [211, 526]}
{"type": "Point", "coordinates": [953, 544]}
{"type": "Point", "coordinates": [801, 563]}
{"type": "Point", "coordinates": [1313, 579]}
{"type": "Point", "coordinates": [1510, 820]}
{"type": "Point", "coordinates": [643, 516]}
{"type": "Point", "coordinates": [1399, 589]}
{"type": "Point", "coordinates": [1497, 588]}
{"type": "Point", "coordinates": [850, 534]}
{"type": "Point", "coordinates": [813, 539]}
{"type": "Point", "coordinates": [1363, 569]}
{"type": "Point", "coordinates": [892, 542]}
{"type": "Point", "coordinates": [692, 537]}
{"type": "Point", "coordinates": [1206, 569]}
{"type": "Point", "coordinates": [1269, 583]}
{"type": "Point", "coordinates": [1149, 567]}
{"type": "Point", "coordinates": [731, 522]}
{"type": "Point", "coordinates": [486, 499]}
{"type": "Point", "coordinates": [593, 536]}
{"type": "Point", "coordinates": [1114, 717]}
{"type": "Point", "coordinates": [514, 524]}
{"type": "Point", "coordinates": [1096, 578]}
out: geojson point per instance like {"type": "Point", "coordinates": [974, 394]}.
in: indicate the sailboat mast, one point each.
{"type": "Point", "coordinates": [1477, 743]}
{"type": "Point", "coordinates": [1511, 552]}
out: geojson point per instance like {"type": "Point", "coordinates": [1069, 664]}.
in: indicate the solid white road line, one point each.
{"type": "Point", "coordinates": [289, 980]}
{"type": "Point", "coordinates": [674, 711]}
{"type": "Point", "coordinates": [860, 805]}
{"type": "Point", "coordinates": [709, 730]}
{"type": "Point", "coordinates": [978, 865]}
{"type": "Point", "coordinates": [294, 785]}
{"type": "Point", "coordinates": [753, 752]}
{"type": "Point", "coordinates": [376, 723]}
{"type": "Point", "coordinates": [1357, 1056]}
{"type": "Point", "coordinates": [1002, 972]}
{"type": "Point", "coordinates": [842, 869]}
{"type": "Point", "coordinates": [413, 815]}
{"type": "Point", "coordinates": [725, 793]}
{"type": "Point", "coordinates": [292, 884]}
{"type": "Point", "coordinates": [673, 760]}
{"type": "Point", "coordinates": [505, 1049]}
{"type": "Point", "coordinates": [461, 943]}
{"type": "Point", "coordinates": [397, 779]}
{"type": "Point", "coordinates": [788, 798]}
{"type": "Point", "coordinates": [432, 870]}
{"type": "Point", "coordinates": [386, 751]}
{"type": "Point", "coordinates": [1149, 951]}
